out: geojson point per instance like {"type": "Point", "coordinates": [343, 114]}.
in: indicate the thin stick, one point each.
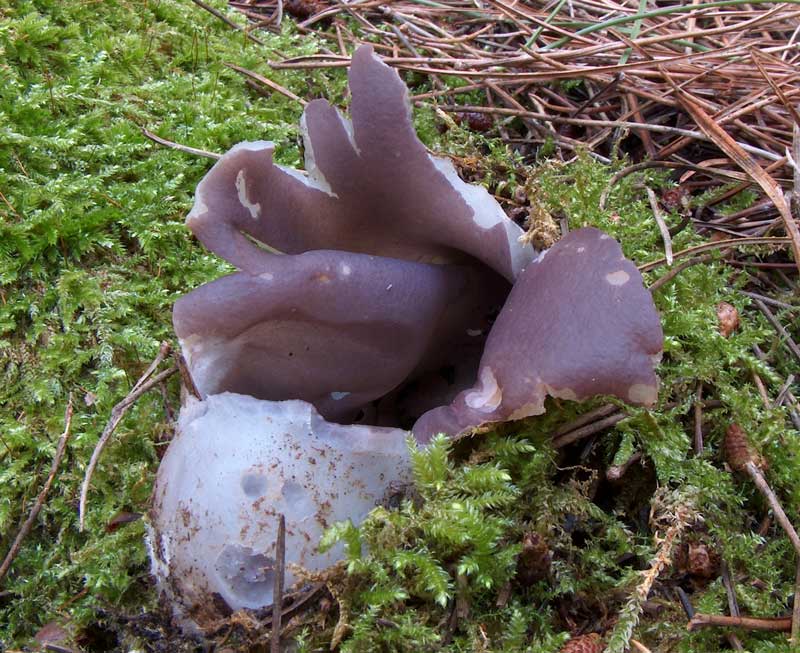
{"type": "Point", "coordinates": [698, 420]}
{"type": "Point", "coordinates": [277, 592]}
{"type": "Point", "coordinates": [616, 472]}
{"type": "Point", "coordinates": [586, 431]}
{"type": "Point", "coordinates": [780, 624]}
{"type": "Point", "coordinates": [674, 272]}
{"type": "Point", "coordinates": [662, 225]}
{"type": "Point", "coordinates": [780, 515]}
{"type": "Point", "coordinates": [769, 300]}
{"type": "Point", "coordinates": [227, 21]}
{"type": "Point", "coordinates": [602, 411]}
{"type": "Point", "coordinates": [117, 413]}
{"type": "Point", "coordinates": [163, 352]}
{"type": "Point", "coordinates": [787, 339]}
{"type": "Point", "coordinates": [795, 636]}
{"type": "Point", "coordinates": [686, 602]}
{"type": "Point", "coordinates": [733, 604]}
{"type": "Point", "coordinates": [645, 165]}
{"type": "Point", "coordinates": [177, 146]}
{"type": "Point", "coordinates": [186, 376]}
{"type": "Point", "coordinates": [719, 244]}
{"type": "Point", "coordinates": [267, 82]}
{"type": "Point", "coordinates": [781, 396]}
{"type": "Point", "coordinates": [659, 129]}
{"type": "Point", "coordinates": [37, 507]}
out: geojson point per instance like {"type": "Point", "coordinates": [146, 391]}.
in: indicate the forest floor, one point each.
{"type": "Point", "coordinates": [617, 530]}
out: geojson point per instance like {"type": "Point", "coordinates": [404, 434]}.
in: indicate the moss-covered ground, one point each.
{"type": "Point", "coordinates": [93, 252]}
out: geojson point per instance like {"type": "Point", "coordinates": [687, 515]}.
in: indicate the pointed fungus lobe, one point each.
{"type": "Point", "coordinates": [332, 328]}
{"type": "Point", "coordinates": [578, 322]}
{"type": "Point", "coordinates": [370, 186]}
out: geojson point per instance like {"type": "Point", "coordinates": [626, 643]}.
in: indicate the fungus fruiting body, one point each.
{"type": "Point", "coordinates": [236, 464]}
{"type": "Point", "coordinates": [367, 293]}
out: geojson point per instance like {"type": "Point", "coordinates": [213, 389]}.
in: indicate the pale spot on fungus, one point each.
{"type": "Point", "coordinates": [618, 278]}
{"type": "Point", "coordinates": [489, 397]}
{"type": "Point", "coordinates": [639, 393]}
{"type": "Point", "coordinates": [527, 410]}
{"type": "Point", "coordinates": [562, 393]}
{"type": "Point", "coordinates": [241, 191]}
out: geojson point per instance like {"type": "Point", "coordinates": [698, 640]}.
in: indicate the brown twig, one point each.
{"type": "Point", "coordinates": [145, 383]}
{"type": "Point", "coordinates": [795, 635]}
{"type": "Point", "coordinates": [674, 272]}
{"type": "Point", "coordinates": [698, 419]}
{"type": "Point", "coordinates": [780, 624]}
{"type": "Point", "coordinates": [186, 376]}
{"type": "Point", "coordinates": [733, 604]}
{"type": "Point", "coordinates": [658, 215]}
{"type": "Point", "coordinates": [741, 459]}
{"type": "Point", "coordinates": [720, 244]}
{"type": "Point", "coordinates": [589, 429]}
{"type": "Point", "coordinates": [616, 472]}
{"type": "Point", "coordinates": [267, 82]}
{"type": "Point", "coordinates": [787, 339]}
{"type": "Point", "coordinates": [37, 506]}
{"type": "Point", "coordinates": [227, 21]}
{"type": "Point", "coordinates": [177, 146]}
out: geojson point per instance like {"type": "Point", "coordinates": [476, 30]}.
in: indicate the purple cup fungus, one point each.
{"type": "Point", "coordinates": [360, 280]}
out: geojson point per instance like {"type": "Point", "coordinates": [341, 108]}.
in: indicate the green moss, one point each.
{"type": "Point", "coordinates": [93, 252]}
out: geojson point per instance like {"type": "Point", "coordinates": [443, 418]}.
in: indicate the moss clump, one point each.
{"type": "Point", "coordinates": [93, 252]}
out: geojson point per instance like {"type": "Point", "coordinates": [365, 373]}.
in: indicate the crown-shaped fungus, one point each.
{"type": "Point", "coordinates": [359, 280]}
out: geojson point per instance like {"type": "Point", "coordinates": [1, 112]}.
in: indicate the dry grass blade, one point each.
{"type": "Point", "coordinates": [267, 82]}
{"type": "Point", "coordinates": [747, 163]}
{"type": "Point", "coordinates": [720, 244]}
{"type": "Point", "coordinates": [755, 55]}
{"type": "Point", "coordinates": [61, 449]}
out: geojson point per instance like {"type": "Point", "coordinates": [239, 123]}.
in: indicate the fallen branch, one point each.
{"type": "Point", "coordinates": [780, 624]}
{"type": "Point", "coordinates": [740, 459]}
{"type": "Point", "coordinates": [117, 413]}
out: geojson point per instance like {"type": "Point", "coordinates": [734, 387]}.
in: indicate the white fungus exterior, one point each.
{"type": "Point", "coordinates": [234, 466]}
